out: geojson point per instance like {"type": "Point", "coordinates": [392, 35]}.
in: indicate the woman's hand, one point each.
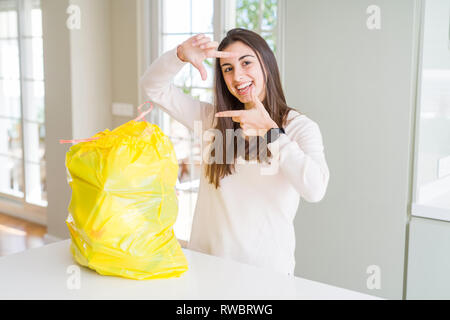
{"type": "Point", "coordinates": [197, 48]}
{"type": "Point", "coordinates": [255, 121]}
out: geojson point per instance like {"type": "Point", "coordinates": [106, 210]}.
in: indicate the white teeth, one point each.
{"type": "Point", "coordinates": [242, 86]}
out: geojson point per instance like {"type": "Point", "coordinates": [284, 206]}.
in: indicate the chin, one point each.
{"type": "Point", "coordinates": [245, 99]}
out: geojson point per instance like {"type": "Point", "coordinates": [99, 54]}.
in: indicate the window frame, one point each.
{"type": "Point", "coordinates": [158, 116]}
{"type": "Point", "coordinates": [11, 204]}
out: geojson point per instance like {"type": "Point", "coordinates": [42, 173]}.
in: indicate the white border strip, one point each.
{"type": "Point", "coordinates": [424, 211]}
{"type": "Point", "coordinates": [433, 190]}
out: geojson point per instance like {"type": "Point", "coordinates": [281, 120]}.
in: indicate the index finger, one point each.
{"type": "Point", "coordinates": [224, 54]}
{"type": "Point", "coordinates": [231, 113]}
{"type": "Point", "coordinates": [254, 95]}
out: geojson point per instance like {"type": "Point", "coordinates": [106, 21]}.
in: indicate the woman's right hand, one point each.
{"type": "Point", "coordinates": [198, 48]}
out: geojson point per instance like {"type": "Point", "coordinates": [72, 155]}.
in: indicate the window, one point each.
{"type": "Point", "coordinates": [179, 20]}
{"type": "Point", "coordinates": [22, 128]}
{"type": "Point", "coordinates": [432, 163]}
{"type": "Point", "coordinates": [259, 16]}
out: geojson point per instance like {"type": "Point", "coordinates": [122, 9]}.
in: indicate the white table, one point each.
{"type": "Point", "coordinates": [42, 273]}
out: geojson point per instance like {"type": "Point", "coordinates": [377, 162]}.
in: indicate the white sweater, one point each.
{"type": "Point", "coordinates": [250, 217]}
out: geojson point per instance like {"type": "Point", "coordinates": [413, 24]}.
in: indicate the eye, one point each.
{"type": "Point", "coordinates": [227, 69]}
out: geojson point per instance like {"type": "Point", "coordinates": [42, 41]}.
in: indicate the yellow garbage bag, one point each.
{"type": "Point", "coordinates": [124, 203]}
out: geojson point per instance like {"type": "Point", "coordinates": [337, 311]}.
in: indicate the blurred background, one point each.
{"type": "Point", "coordinates": [375, 76]}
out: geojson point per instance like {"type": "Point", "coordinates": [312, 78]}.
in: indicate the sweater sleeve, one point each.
{"type": "Point", "coordinates": [157, 84]}
{"type": "Point", "coordinates": [300, 153]}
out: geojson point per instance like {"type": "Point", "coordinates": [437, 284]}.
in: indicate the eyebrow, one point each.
{"type": "Point", "coordinates": [229, 64]}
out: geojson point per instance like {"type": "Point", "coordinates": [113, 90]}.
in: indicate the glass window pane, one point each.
{"type": "Point", "coordinates": [10, 98]}
{"type": "Point", "coordinates": [183, 78]}
{"type": "Point", "coordinates": [13, 94]}
{"type": "Point", "coordinates": [9, 59]}
{"type": "Point", "coordinates": [32, 18]}
{"type": "Point", "coordinates": [269, 18]}
{"type": "Point", "coordinates": [247, 14]}
{"type": "Point", "coordinates": [8, 23]}
{"type": "Point", "coordinates": [36, 23]}
{"type": "Point", "coordinates": [434, 146]}
{"type": "Point", "coordinates": [34, 142]}
{"type": "Point", "coordinates": [172, 41]}
{"type": "Point", "coordinates": [190, 17]}
{"type": "Point", "coordinates": [202, 16]}
{"type": "Point", "coordinates": [11, 138]}
{"type": "Point", "coordinates": [271, 40]}
{"type": "Point", "coordinates": [36, 183]}
{"type": "Point", "coordinates": [33, 67]}
{"type": "Point", "coordinates": [34, 99]}
{"type": "Point", "coordinates": [203, 94]}
{"type": "Point", "coordinates": [11, 176]}
{"type": "Point", "coordinates": [176, 16]}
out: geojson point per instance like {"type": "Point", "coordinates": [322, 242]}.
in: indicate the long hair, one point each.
{"type": "Point", "coordinates": [274, 102]}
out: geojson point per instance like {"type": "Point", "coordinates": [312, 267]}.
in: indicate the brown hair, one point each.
{"type": "Point", "coordinates": [274, 101]}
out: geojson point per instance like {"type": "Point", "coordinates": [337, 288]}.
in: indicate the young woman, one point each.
{"type": "Point", "coordinates": [241, 213]}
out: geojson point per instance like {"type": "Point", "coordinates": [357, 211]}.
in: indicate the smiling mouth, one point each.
{"type": "Point", "coordinates": [244, 91]}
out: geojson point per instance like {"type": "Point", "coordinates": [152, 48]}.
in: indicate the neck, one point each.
{"type": "Point", "coordinates": [248, 106]}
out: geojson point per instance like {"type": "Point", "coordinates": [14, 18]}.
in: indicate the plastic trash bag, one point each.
{"type": "Point", "coordinates": [124, 203]}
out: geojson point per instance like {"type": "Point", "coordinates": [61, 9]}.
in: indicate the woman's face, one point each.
{"type": "Point", "coordinates": [242, 70]}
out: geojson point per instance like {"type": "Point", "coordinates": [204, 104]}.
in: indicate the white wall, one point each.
{"type": "Point", "coordinates": [124, 55]}
{"type": "Point", "coordinates": [91, 69]}
{"type": "Point", "coordinates": [77, 66]}
{"type": "Point", "coordinates": [58, 110]}
{"type": "Point", "coordinates": [358, 85]}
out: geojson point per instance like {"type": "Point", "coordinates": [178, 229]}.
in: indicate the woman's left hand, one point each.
{"type": "Point", "coordinates": [255, 121]}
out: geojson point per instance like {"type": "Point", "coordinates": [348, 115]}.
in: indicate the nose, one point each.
{"type": "Point", "coordinates": [238, 74]}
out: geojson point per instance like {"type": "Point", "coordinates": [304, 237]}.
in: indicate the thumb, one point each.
{"type": "Point", "coordinates": [255, 98]}
{"type": "Point", "coordinates": [200, 67]}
